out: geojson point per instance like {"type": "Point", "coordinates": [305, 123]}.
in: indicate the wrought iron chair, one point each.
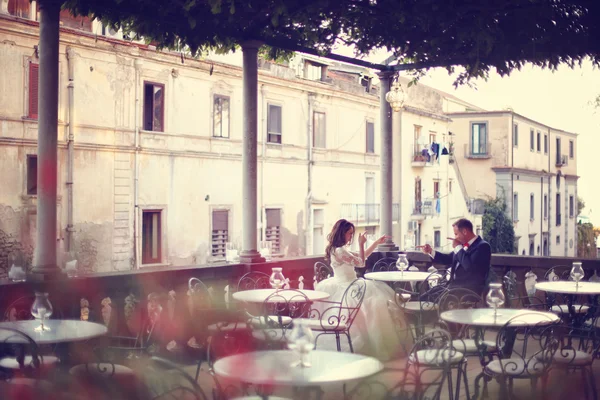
{"type": "Point", "coordinates": [577, 349]}
{"type": "Point", "coordinates": [525, 351]}
{"type": "Point", "coordinates": [322, 271]}
{"type": "Point", "coordinates": [423, 309]}
{"type": "Point", "coordinates": [20, 310]}
{"type": "Point", "coordinates": [336, 318]}
{"type": "Point", "coordinates": [24, 383]}
{"type": "Point", "coordinates": [466, 338]}
{"type": "Point", "coordinates": [434, 353]}
{"type": "Point", "coordinates": [209, 321]}
{"type": "Point", "coordinates": [277, 315]}
{"type": "Point", "coordinates": [386, 385]}
{"type": "Point", "coordinates": [23, 350]}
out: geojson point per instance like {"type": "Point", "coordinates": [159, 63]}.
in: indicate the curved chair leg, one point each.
{"type": "Point", "coordinates": [534, 388]}
{"type": "Point", "coordinates": [349, 342]}
{"type": "Point", "coordinates": [450, 391]}
{"type": "Point", "coordinates": [584, 378]}
{"type": "Point", "coordinates": [337, 341]}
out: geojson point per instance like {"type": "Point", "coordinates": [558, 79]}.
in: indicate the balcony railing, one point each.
{"type": "Point", "coordinates": [367, 213]}
{"type": "Point", "coordinates": [425, 207]}
{"type": "Point", "coordinates": [481, 151]}
{"type": "Point", "coordinates": [562, 160]}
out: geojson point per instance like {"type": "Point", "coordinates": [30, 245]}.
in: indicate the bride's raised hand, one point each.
{"type": "Point", "coordinates": [362, 239]}
{"type": "Point", "coordinates": [382, 239]}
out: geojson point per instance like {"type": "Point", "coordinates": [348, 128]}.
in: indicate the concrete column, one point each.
{"type": "Point", "coordinates": [45, 262]}
{"type": "Point", "coordinates": [249, 253]}
{"type": "Point", "coordinates": [385, 120]}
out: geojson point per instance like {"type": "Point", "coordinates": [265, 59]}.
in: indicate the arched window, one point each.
{"type": "Point", "coordinates": [19, 8]}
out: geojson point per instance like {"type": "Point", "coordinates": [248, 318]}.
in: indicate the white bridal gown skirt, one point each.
{"type": "Point", "coordinates": [372, 332]}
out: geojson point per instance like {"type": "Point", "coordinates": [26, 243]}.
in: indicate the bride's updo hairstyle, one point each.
{"type": "Point", "coordinates": [337, 236]}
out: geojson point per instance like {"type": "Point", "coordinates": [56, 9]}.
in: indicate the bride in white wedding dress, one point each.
{"type": "Point", "coordinates": [373, 330]}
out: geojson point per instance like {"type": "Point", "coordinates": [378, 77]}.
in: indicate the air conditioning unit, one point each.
{"type": "Point", "coordinates": [413, 226]}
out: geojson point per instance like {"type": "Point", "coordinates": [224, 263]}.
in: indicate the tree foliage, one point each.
{"type": "Point", "coordinates": [479, 36]}
{"type": "Point", "coordinates": [580, 205]}
{"type": "Point", "coordinates": [586, 240]}
{"type": "Point", "coordinates": [498, 229]}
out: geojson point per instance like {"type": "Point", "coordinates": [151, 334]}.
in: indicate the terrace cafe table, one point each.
{"type": "Point", "coordinates": [60, 331]}
{"type": "Point", "coordinates": [398, 276]}
{"type": "Point", "coordinates": [570, 289]}
{"type": "Point", "coordinates": [261, 295]}
{"type": "Point", "coordinates": [275, 368]}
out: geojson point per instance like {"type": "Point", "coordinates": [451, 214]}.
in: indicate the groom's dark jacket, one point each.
{"type": "Point", "coordinates": [469, 268]}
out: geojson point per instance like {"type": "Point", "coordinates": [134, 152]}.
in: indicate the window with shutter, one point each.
{"type": "Point", "coordinates": [151, 237]}
{"type": "Point", "coordinates": [274, 124]}
{"type": "Point", "coordinates": [273, 230]}
{"type": "Point", "coordinates": [33, 90]}
{"type": "Point", "coordinates": [220, 232]}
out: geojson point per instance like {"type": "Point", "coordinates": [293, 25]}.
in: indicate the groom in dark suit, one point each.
{"type": "Point", "coordinates": [469, 262]}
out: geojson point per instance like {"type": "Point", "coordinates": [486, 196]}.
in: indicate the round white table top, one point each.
{"type": "Point", "coordinates": [398, 276]}
{"type": "Point", "coordinates": [61, 331]}
{"type": "Point", "coordinates": [568, 287]}
{"type": "Point", "coordinates": [261, 295]}
{"type": "Point", "coordinates": [485, 317]}
{"type": "Point", "coordinates": [275, 367]}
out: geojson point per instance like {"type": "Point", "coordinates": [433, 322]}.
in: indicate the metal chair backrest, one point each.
{"type": "Point", "coordinates": [322, 271]}
{"type": "Point", "coordinates": [352, 300]}
{"type": "Point", "coordinates": [459, 298]}
{"type": "Point", "coordinates": [286, 303]}
{"type": "Point", "coordinates": [19, 344]}
{"type": "Point", "coordinates": [528, 347]}
{"type": "Point", "coordinates": [253, 280]}
{"type": "Point", "coordinates": [385, 264]}
{"type": "Point", "coordinates": [558, 273]}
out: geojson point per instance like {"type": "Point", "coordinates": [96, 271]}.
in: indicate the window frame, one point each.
{"type": "Point", "coordinates": [545, 206]}
{"type": "Point", "coordinates": [144, 111]}
{"type": "Point", "coordinates": [515, 135]}
{"type": "Point", "coordinates": [274, 249]}
{"type": "Point", "coordinates": [161, 236]}
{"type": "Point", "coordinates": [314, 132]}
{"type": "Point", "coordinates": [485, 142]}
{"type": "Point", "coordinates": [571, 149]}
{"type": "Point", "coordinates": [539, 141]}
{"type": "Point", "coordinates": [437, 239]}
{"type": "Point", "coordinates": [372, 149]}
{"type": "Point", "coordinates": [545, 143]}
{"type": "Point", "coordinates": [571, 206]}
{"type": "Point", "coordinates": [515, 208]}
{"type": "Point", "coordinates": [558, 213]}
{"type": "Point", "coordinates": [31, 177]}
{"type": "Point", "coordinates": [270, 131]}
{"type": "Point", "coordinates": [532, 207]}
{"type": "Point", "coordinates": [211, 232]}
{"type": "Point", "coordinates": [532, 140]}
{"type": "Point", "coordinates": [214, 116]}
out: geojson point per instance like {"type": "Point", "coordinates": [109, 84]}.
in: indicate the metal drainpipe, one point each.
{"type": "Point", "coordinates": [137, 63]}
{"type": "Point", "coordinates": [512, 165]}
{"type": "Point", "coordinates": [263, 221]}
{"type": "Point", "coordinates": [70, 53]}
{"type": "Point", "coordinates": [309, 141]}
